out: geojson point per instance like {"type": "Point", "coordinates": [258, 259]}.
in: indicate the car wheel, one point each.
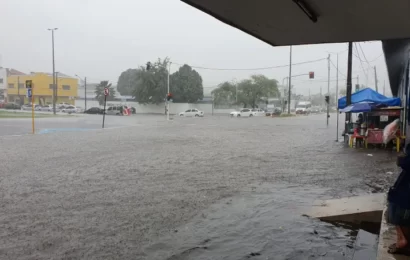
{"type": "Point", "coordinates": [250, 115]}
{"type": "Point", "coordinates": [231, 115]}
{"type": "Point", "coordinates": [196, 115]}
{"type": "Point", "coordinates": [181, 115]}
{"type": "Point", "coordinates": [238, 115]}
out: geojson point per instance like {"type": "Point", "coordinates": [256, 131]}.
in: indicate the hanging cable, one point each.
{"type": "Point", "coordinates": [263, 68]}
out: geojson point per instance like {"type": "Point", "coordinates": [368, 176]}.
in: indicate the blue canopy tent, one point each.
{"type": "Point", "coordinates": [361, 107]}
{"type": "Point", "coordinates": [369, 95]}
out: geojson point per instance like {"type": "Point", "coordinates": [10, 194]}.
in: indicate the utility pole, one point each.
{"type": "Point", "coordinates": [168, 91]}
{"type": "Point", "coordinates": [54, 70]}
{"type": "Point", "coordinates": [290, 77]}
{"type": "Point", "coordinates": [328, 88]}
{"type": "Point", "coordinates": [357, 80]}
{"type": "Point", "coordinates": [349, 80]}
{"type": "Point", "coordinates": [337, 97]}
{"type": "Point", "coordinates": [56, 96]}
{"type": "Point", "coordinates": [375, 79]}
{"type": "Point", "coordinates": [85, 94]}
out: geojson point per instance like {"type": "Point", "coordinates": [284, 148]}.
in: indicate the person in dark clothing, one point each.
{"type": "Point", "coordinates": [398, 210]}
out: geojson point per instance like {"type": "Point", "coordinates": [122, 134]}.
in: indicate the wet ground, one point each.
{"type": "Point", "coordinates": [193, 188]}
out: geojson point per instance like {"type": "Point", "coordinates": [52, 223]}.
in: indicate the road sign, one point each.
{"type": "Point", "coordinates": [29, 92]}
{"type": "Point", "coordinates": [106, 91]}
{"type": "Point", "coordinates": [29, 83]}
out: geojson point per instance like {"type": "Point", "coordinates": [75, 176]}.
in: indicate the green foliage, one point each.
{"type": "Point", "coordinates": [126, 82]}
{"type": "Point", "coordinates": [99, 92]}
{"type": "Point", "coordinates": [225, 93]}
{"type": "Point", "coordinates": [150, 86]}
{"type": "Point", "coordinates": [251, 92]}
{"type": "Point", "coordinates": [186, 85]}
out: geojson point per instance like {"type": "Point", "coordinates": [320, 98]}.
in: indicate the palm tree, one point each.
{"type": "Point", "coordinates": [99, 92]}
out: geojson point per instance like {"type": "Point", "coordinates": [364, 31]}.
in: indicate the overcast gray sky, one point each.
{"type": "Point", "coordinates": [101, 38]}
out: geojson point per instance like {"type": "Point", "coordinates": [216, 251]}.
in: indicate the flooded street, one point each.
{"type": "Point", "coordinates": [193, 188]}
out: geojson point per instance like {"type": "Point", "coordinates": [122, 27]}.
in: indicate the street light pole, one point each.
{"type": "Point", "coordinates": [290, 77]}
{"type": "Point", "coordinates": [56, 87]}
{"type": "Point", "coordinates": [169, 69]}
{"type": "Point", "coordinates": [54, 70]}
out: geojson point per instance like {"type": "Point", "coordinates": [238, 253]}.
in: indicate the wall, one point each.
{"type": "Point", "coordinates": [175, 108]}
{"type": "Point", "coordinates": [42, 82]}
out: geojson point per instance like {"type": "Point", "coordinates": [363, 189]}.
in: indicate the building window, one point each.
{"type": "Point", "coordinates": [11, 85]}
{"type": "Point", "coordinates": [66, 87]}
{"type": "Point", "coordinates": [1, 81]}
{"type": "Point", "coordinates": [21, 85]}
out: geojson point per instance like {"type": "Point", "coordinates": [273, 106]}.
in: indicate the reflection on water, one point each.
{"type": "Point", "coordinates": [264, 224]}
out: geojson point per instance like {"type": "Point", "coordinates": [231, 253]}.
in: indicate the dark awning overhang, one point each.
{"type": "Point", "coordinates": [292, 22]}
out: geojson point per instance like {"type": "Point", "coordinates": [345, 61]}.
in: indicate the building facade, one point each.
{"type": "Point", "coordinates": [67, 88]}
{"type": "Point", "coordinates": [3, 84]}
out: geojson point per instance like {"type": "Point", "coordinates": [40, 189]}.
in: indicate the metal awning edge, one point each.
{"type": "Point", "coordinates": [226, 21]}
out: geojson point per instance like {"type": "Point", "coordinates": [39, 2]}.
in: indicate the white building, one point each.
{"type": "Point", "coordinates": [3, 83]}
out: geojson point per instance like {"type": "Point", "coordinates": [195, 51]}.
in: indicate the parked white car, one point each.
{"type": "Point", "coordinates": [245, 112]}
{"type": "Point", "coordinates": [258, 112]}
{"type": "Point", "coordinates": [69, 109]}
{"type": "Point", "coordinates": [28, 107]}
{"type": "Point", "coordinates": [47, 108]}
{"type": "Point", "coordinates": [192, 112]}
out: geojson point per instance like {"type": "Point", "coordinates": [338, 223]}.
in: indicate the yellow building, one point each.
{"type": "Point", "coordinates": [42, 88]}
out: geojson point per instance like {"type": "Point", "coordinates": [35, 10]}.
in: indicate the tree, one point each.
{"type": "Point", "coordinates": [126, 82]}
{"type": "Point", "coordinates": [186, 85]}
{"type": "Point", "coordinates": [150, 86]}
{"type": "Point", "coordinates": [225, 93]}
{"type": "Point", "coordinates": [99, 92]}
{"type": "Point", "coordinates": [256, 90]}
{"type": "Point", "coordinates": [251, 92]}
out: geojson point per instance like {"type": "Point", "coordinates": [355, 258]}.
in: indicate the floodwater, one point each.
{"type": "Point", "coordinates": [266, 223]}
{"type": "Point", "coordinates": [193, 188]}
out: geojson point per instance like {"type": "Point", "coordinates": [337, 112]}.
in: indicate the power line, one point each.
{"type": "Point", "coordinates": [264, 68]}
{"type": "Point", "coordinates": [331, 62]}
{"type": "Point", "coordinates": [381, 54]}
{"type": "Point", "coordinates": [361, 63]}
{"type": "Point", "coordinates": [360, 46]}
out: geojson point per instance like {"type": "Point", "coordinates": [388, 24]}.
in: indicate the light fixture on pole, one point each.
{"type": "Point", "coordinates": [54, 69]}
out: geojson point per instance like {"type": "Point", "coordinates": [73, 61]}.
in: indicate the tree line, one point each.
{"type": "Point", "coordinates": [247, 93]}
{"type": "Point", "coordinates": [150, 85]}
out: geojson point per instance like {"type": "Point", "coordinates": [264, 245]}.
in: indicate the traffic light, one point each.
{"type": "Point", "coordinates": [327, 99]}
{"type": "Point", "coordinates": [149, 65]}
{"type": "Point", "coordinates": [29, 84]}
{"type": "Point", "coordinates": [311, 75]}
{"type": "Point", "coordinates": [169, 96]}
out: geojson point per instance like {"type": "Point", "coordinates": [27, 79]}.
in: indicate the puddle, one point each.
{"type": "Point", "coordinates": [265, 224]}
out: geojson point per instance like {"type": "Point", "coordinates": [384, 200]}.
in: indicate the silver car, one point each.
{"type": "Point", "coordinates": [114, 110]}
{"type": "Point", "coordinates": [47, 108]}
{"type": "Point", "coordinates": [69, 109]}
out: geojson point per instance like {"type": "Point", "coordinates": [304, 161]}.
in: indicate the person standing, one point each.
{"type": "Point", "coordinates": [398, 208]}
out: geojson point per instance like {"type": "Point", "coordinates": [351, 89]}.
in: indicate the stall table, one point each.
{"type": "Point", "coordinates": [374, 136]}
